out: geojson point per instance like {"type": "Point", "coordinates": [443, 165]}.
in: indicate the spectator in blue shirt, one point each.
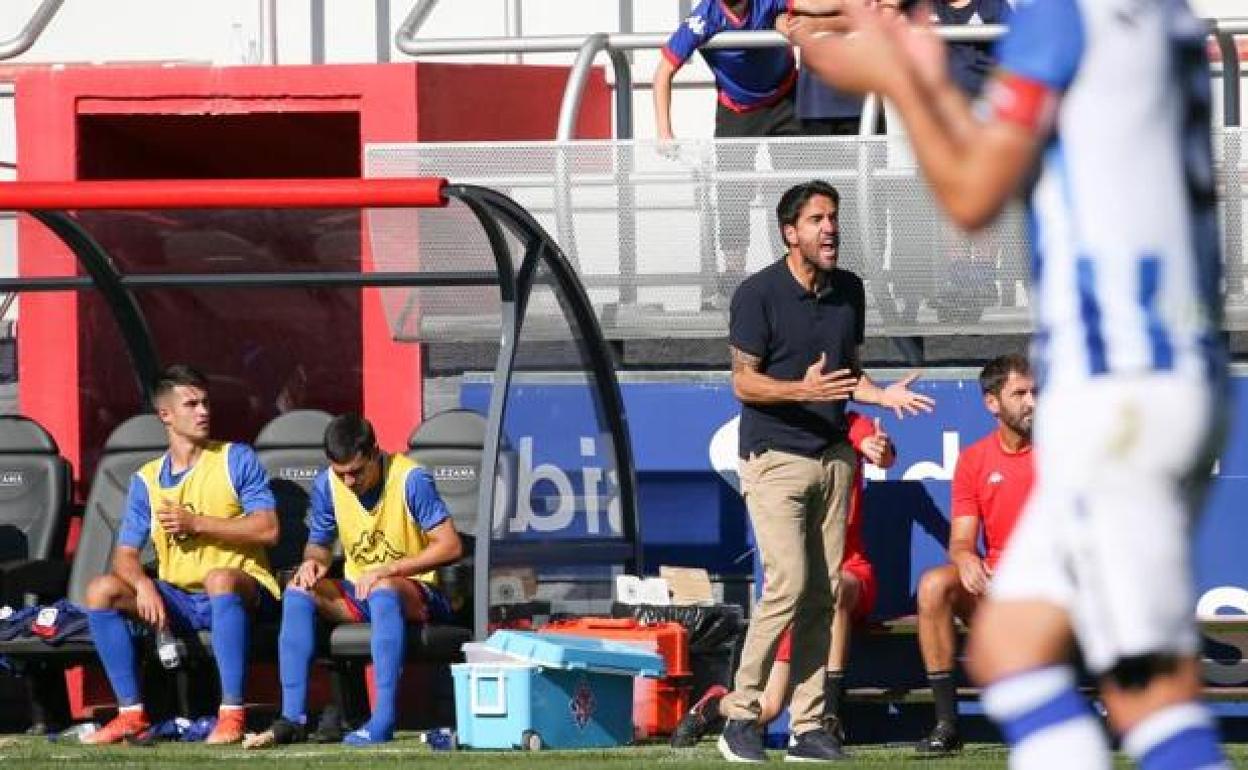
{"type": "Point", "coordinates": [756, 90]}
{"type": "Point", "coordinates": [970, 63]}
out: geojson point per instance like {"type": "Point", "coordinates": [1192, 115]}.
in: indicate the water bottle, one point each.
{"type": "Point", "coordinates": [168, 649]}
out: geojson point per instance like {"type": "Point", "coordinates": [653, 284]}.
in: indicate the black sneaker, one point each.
{"type": "Point", "coordinates": [742, 741]}
{"type": "Point", "coordinates": [815, 746]}
{"type": "Point", "coordinates": [699, 720]}
{"type": "Point", "coordinates": [329, 729]}
{"type": "Point", "coordinates": [832, 723]}
{"type": "Point", "coordinates": [282, 732]}
{"type": "Point", "coordinates": [943, 740]}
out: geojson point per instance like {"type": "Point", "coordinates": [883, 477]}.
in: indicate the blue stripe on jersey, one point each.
{"type": "Point", "coordinates": [1090, 315]}
{"type": "Point", "coordinates": [1161, 348]}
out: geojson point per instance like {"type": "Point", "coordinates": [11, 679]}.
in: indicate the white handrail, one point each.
{"type": "Point", "coordinates": [405, 40]}
{"type": "Point", "coordinates": [23, 40]}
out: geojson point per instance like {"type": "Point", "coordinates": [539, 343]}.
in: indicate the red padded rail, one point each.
{"type": "Point", "coordinates": [421, 192]}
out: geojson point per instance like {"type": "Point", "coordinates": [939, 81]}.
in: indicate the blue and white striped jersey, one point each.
{"type": "Point", "coordinates": [1127, 260]}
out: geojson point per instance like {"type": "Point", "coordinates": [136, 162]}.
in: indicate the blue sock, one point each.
{"type": "Point", "coordinates": [1179, 737]}
{"type": "Point", "coordinates": [389, 641]}
{"type": "Point", "coordinates": [113, 643]}
{"type": "Point", "coordinates": [1046, 722]}
{"type": "Point", "coordinates": [230, 645]}
{"type": "Point", "coordinates": [295, 646]}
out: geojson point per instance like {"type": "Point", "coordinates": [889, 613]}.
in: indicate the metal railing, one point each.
{"type": "Point", "coordinates": [651, 227]}
{"type": "Point", "coordinates": [587, 47]}
{"type": "Point", "coordinates": [23, 40]}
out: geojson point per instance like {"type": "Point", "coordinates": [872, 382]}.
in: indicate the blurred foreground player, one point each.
{"type": "Point", "coordinates": [1100, 113]}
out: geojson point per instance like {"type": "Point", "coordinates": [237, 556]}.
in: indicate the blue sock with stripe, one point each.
{"type": "Point", "coordinates": [389, 641]}
{"type": "Point", "coordinates": [296, 643]}
{"type": "Point", "coordinates": [1046, 722]}
{"type": "Point", "coordinates": [231, 642]}
{"type": "Point", "coordinates": [1179, 737]}
{"type": "Point", "coordinates": [115, 646]}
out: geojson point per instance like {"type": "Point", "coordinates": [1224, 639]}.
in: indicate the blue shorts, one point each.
{"type": "Point", "coordinates": [437, 606]}
{"type": "Point", "coordinates": [190, 611]}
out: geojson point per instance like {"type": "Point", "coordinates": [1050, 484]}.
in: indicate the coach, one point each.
{"type": "Point", "coordinates": [795, 331]}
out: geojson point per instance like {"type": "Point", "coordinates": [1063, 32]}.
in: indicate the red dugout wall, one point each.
{"type": "Point", "coordinates": [190, 122]}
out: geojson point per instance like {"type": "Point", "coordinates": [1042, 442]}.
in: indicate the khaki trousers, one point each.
{"type": "Point", "coordinates": [798, 510]}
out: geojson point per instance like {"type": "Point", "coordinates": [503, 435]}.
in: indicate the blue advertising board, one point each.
{"type": "Point", "coordinates": [684, 442]}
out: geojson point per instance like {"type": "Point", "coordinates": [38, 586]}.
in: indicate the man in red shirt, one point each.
{"type": "Point", "coordinates": [990, 486]}
{"type": "Point", "coordinates": [855, 600]}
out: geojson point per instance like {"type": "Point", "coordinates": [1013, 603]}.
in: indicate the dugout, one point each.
{"type": "Point", "coordinates": [290, 122]}
{"type": "Point", "coordinates": [130, 247]}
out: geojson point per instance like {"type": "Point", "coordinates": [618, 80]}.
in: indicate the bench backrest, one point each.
{"type": "Point", "coordinates": [34, 492]}
{"type": "Point", "coordinates": [133, 443]}
{"type": "Point", "coordinates": [291, 449]}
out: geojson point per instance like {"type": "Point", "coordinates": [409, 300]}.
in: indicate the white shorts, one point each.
{"type": "Point", "coordinates": [1121, 465]}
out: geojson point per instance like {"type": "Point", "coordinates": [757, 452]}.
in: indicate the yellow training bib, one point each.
{"type": "Point", "coordinates": [207, 490]}
{"type": "Point", "coordinates": [385, 533]}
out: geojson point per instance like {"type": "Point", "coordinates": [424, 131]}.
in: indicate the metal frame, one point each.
{"type": "Point", "coordinates": [49, 203]}
{"type": "Point", "coordinates": [405, 40]}
{"type": "Point", "coordinates": [24, 39]}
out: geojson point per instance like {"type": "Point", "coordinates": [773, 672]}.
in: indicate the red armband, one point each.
{"type": "Point", "coordinates": [1022, 102]}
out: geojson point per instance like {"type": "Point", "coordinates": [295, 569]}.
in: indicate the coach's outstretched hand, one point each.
{"type": "Point", "coordinates": [904, 401]}
{"type": "Point", "coordinates": [818, 385]}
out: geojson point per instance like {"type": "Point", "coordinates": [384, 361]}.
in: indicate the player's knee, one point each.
{"type": "Point", "coordinates": [224, 581]}
{"type": "Point", "coordinates": [104, 592]}
{"type": "Point", "coordinates": [390, 584]}
{"type": "Point", "coordinates": [1135, 673]}
{"type": "Point", "coordinates": [936, 590]}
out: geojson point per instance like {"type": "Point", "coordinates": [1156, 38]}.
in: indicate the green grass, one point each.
{"type": "Point", "coordinates": [409, 752]}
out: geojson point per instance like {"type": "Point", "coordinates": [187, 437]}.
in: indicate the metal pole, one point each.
{"type": "Point", "coordinates": [513, 26]}
{"type": "Point", "coordinates": [318, 32]}
{"type": "Point", "coordinates": [623, 70]}
{"type": "Point", "coordinates": [23, 40]}
{"type": "Point", "coordinates": [382, 14]}
{"type": "Point", "coordinates": [626, 20]}
{"type": "Point", "coordinates": [1231, 72]}
{"type": "Point", "coordinates": [268, 31]}
{"type": "Point", "coordinates": [406, 33]}
{"type": "Point", "coordinates": [572, 93]}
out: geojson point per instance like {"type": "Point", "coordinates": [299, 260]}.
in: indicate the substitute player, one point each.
{"type": "Point", "coordinates": [395, 531]}
{"type": "Point", "coordinates": [1100, 112]}
{"type": "Point", "coordinates": [991, 484]}
{"type": "Point", "coordinates": [206, 508]}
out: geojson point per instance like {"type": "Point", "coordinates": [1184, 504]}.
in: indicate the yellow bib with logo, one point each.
{"type": "Point", "coordinates": [207, 490]}
{"type": "Point", "coordinates": [385, 533]}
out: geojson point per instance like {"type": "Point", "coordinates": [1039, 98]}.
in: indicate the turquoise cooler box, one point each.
{"type": "Point", "coordinates": [558, 692]}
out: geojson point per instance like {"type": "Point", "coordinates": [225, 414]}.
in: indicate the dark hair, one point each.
{"type": "Point", "coordinates": [997, 371]}
{"type": "Point", "coordinates": [348, 436]}
{"type": "Point", "coordinates": [797, 196]}
{"type": "Point", "coordinates": [177, 375]}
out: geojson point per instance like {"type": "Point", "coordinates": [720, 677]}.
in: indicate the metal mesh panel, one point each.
{"type": "Point", "coordinates": [662, 236]}
{"type": "Point", "coordinates": [1229, 158]}
{"type": "Point", "coordinates": [437, 240]}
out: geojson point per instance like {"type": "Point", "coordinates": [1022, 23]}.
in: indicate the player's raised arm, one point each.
{"type": "Point", "coordinates": [974, 165]}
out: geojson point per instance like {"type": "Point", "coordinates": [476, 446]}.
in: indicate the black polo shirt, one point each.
{"type": "Point", "coordinates": [775, 318]}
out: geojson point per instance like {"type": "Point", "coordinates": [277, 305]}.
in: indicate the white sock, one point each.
{"type": "Point", "coordinates": [1046, 722]}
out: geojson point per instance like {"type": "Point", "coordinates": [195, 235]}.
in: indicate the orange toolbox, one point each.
{"type": "Point", "coordinates": [658, 704]}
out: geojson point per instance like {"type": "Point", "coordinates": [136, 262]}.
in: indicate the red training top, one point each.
{"type": "Point", "coordinates": [855, 560]}
{"type": "Point", "coordinates": [993, 485]}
